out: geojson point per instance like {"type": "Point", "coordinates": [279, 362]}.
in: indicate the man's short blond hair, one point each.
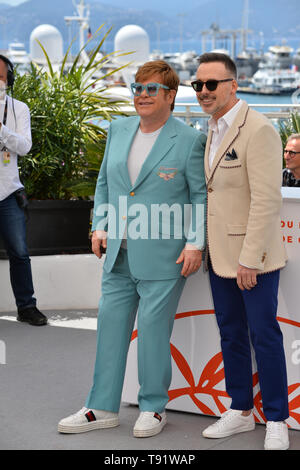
{"type": "Point", "coordinates": [168, 75]}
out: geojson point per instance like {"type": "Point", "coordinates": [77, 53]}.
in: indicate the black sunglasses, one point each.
{"type": "Point", "coordinates": [292, 153]}
{"type": "Point", "coordinates": [211, 85]}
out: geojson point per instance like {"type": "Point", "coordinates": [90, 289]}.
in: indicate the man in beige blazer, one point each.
{"type": "Point", "coordinates": [243, 166]}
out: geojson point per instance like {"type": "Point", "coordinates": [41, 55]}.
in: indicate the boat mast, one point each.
{"type": "Point", "coordinates": [245, 25]}
{"type": "Point", "coordinates": [82, 18]}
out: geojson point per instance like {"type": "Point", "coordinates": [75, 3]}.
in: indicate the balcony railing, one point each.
{"type": "Point", "coordinates": [191, 112]}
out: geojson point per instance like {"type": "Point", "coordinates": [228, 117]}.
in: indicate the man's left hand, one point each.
{"type": "Point", "coordinates": [191, 260]}
{"type": "Point", "coordinates": [246, 277]}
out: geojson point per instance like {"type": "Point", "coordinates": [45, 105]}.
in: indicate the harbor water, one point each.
{"type": "Point", "coordinates": [281, 100]}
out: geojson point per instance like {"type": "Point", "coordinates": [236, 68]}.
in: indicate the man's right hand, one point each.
{"type": "Point", "coordinates": [246, 277]}
{"type": "Point", "coordinates": [99, 238]}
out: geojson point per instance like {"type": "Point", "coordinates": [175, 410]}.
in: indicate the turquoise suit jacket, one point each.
{"type": "Point", "coordinates": [173, 173]}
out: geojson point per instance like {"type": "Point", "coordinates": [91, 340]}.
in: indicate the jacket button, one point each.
{"type": "Point", "coordinates": [210, 190]}
{"type": "Point", "coordinates": [132, 193]}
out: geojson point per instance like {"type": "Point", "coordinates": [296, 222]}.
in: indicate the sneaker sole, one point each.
{"type": "Point", "coordinates": [149, 432]}
{"type": "Point", "coordinates": [103, 424]}
{"type": "Point", "coordinates": [284, 447]}
{"type": "Point", "coordinates": [227, 434]}
{"type": "Point", "coordinates": [32, 323]}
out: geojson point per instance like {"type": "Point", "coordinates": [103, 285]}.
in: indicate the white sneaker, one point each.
{"type": "Point", "coordinates": [231, 422]}
{"type": "Point", "coordinates": [149, 424]}
{"type": "Point", "coordinates": [277, 437]}
{"type": "Point", "coordinates": [87, 420]}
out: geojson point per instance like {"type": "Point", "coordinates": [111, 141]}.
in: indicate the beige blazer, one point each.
{"type": "Point", "coordinates": [244, 197]}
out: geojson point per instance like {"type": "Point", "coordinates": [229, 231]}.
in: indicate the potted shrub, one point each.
{"type": "Point", "coordinates": [60, 172]}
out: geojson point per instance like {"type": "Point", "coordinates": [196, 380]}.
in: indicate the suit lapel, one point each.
{"type": "Point", "coordinates": [206, 155]}
{"type": "Point", "coordinates": [228, 140]}
{"type": "Point", "coordinates": [125, 137]}
{"type": "Point", "coordinates": [163, 144]}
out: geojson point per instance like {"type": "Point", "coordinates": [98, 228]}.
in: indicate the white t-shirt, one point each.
{"type": "Point", "coordinates": [140, 149]}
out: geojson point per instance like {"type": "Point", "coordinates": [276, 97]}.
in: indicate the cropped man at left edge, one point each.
{"type": "Point", "coordinates": [15, 139]}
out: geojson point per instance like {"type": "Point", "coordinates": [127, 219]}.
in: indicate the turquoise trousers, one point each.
{"type": "Point", "coordinates": [156, 303]}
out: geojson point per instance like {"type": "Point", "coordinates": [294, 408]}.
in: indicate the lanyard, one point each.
{"type": "Point", "coordinates": [5, 113]}
{"type": "Point", "coordinates": [4, 149]}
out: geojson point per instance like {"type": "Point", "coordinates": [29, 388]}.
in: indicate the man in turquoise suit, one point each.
{"type": "Point", "coordinates": [149, 216]}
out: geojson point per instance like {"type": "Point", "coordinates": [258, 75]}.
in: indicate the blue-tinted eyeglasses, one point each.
{"type": "Point", "coordinates": [151, 88]}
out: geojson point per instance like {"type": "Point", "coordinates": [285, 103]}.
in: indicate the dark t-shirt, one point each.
{"type": "Point", "coordinates": [289, 180]}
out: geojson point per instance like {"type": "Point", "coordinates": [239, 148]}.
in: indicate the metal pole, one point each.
{"type": "Point", "coordinates": [180, 15]}
{"type": "Point", "coordinates": [158, 35]}
{"type": "Point", "coordinates": [203, 42]}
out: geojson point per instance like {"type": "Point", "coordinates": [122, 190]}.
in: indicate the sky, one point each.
{"type": "Point", "coordinates": [12, 2]}
{"type": "Point", "coordinates": [139, 4]}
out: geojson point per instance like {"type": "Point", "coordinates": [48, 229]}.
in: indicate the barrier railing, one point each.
{"type": "Point", "coordinates": [188, 112]}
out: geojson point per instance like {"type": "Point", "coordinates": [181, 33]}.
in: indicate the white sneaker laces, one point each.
{"type": "Point", "coordinates": [274, 430]}
{"type": "Point", "coordinates": [226, 418]}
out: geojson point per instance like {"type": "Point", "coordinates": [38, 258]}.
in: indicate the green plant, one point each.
{"type": "Point", "coordinates": [68, 142]}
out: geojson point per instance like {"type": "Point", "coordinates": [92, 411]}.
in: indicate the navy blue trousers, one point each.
{"type": "Point", "coordinates": [245, 316]}
{"type": "Point", "coordinates": [13, 233]}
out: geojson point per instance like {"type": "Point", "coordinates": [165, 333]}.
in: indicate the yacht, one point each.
{"type": "Point", "coordinates": [185, 63]}
{"type": "Point", "coordinates": [276, 81]}
{"type": "Point", "coordinates": [277, 57]}
{"type": "Point", "coordinates": [18, 56]}
{"type": "Point", "coordinates": [296, 59]}
{"type": "Point", "coordinates": [276, 74]}
{"type": "Point", "coordinates": [247, 63]}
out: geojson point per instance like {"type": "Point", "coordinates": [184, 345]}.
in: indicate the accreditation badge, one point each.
{"type": "Point", "coordinates": [5, 157]}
